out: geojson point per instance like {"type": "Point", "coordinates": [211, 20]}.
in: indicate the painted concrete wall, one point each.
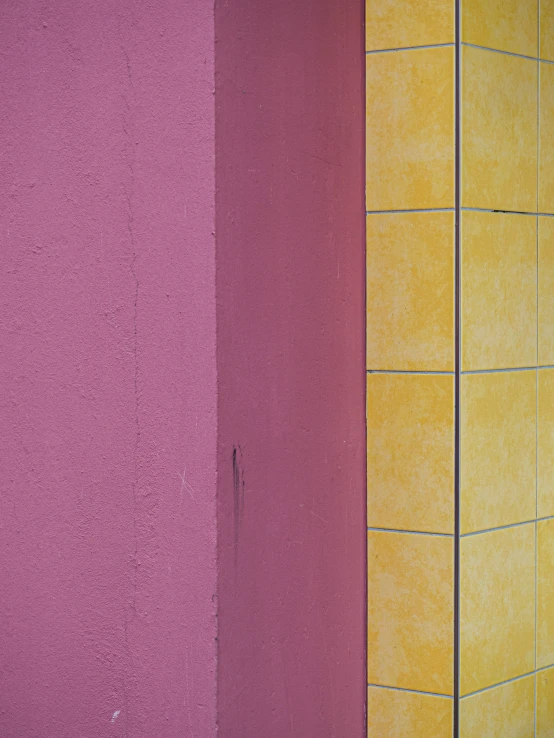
{"type": "Point", "coordinates": [121, 424]}
{"type": "Point", "coordinates": [107, 369]}
{"type": "Point", "coordinates": [290, 283]}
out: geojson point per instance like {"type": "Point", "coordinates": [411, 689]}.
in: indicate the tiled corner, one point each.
{"type": "Point", "coordinates": [410, 453]}
{"type": "Point", "coordinates": [545, 497]}
{"type": "Point", "coordinates": [545, 593]}
{"type": "Point", "coordinates": [546, 165]}
{"type": "Point", "coordinates": [507, 711]}
{"type": "Point", "coordinates": [498, 449]}
{"type": "Point", "coordinates": [499, 131]}
{"type": "Point", "coordinates": [499, 290]}
{"type": "Point", "coordinates": [497, 607]}
{"type": "Point", "coordinates": [547, 29]}
{"type": "Point", "coordinates": [506, 25]}
{"type": "Point", "coordinates": [546, 291]}
{"type": "Point", "coordinates": [410, 611]}
{"type": "Point", "coordinates": [393, 25]}
{"type": "Point", "coordinates": [395, 714]}
{"type": "Point", "coordinates": [410, 129]}
{"type": "Point", "coordinates": [410, 291]}
{"type": "Point", "coordinates": [545, 704]}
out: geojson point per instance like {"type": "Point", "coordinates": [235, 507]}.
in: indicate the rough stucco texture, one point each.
{"type": "Point", "coordinates": [107, 369]}
{"type": "Point", "coordinates": [291, 368]}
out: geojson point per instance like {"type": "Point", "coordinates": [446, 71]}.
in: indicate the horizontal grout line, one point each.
{"type": "Point", "coordinates": [501, 371]}
{"type": "Point", "coordinates": [507, 212]}
{"type": "Point", "coordinates": [410, 532]}
{"type": "Point", "coordinates": [414, 210]}
{"type": "Point", "coordinates": [409, 48]}
{"type": "Point", "coordinates": [500, 684]}
{"type": "Point", "coordinates": [412, 691]}
{"type": "Point", "coordinates": [399, 371]}
{"type": "Point", "coordinates": [544, 668]}
{"type": "Point", "coordinates": [499, 51]}
{"type": "Point", "coordinates": [500, 527]}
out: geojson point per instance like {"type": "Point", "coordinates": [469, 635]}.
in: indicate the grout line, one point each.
{"type": "Point", "coordinates": [396, 371]}
{"type": "Point", "coordinates": [409, 48]}
{"type": "Point", "coordinates": [508, 212]}
{"type": "Point", "coordinates": [500, 684]}
{"type": "Point", "coordinates": [500, 371]}
{"type": "Point", "coordinates": [547, 517]}
{"type": "Point", "coordinates": [500, 527]}
{"type": "Point", "coordinates": [410, 532]}
{"type": "Point", "coordinates": [499, 51]}
{"type": "Point", "coordinates": [544, 668]}
{"type": "Point", "coordinates": [537, 381]}
{"type": "Point", "coordinates": [458, 365]}
{"type": "Point", "coordinates": [413, 210]}
{"type": "Point", "coordinates": [411, 691]}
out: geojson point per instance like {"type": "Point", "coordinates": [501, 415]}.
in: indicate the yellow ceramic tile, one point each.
{"type": "Point", "coordinates": [410, 291]}
{"type": "Point", "coordinates": [410, 452]}
{"type": "Point", "coordinates": [545, 704]}
{"type": "Point", "coordinates": [395, 714]}
{"type": "Point", "coordinates": [499, 131]}
{"type": "Point", "coordinates": [546, 128]}
{"type": "Point", "coordinates": [410, 129]}
{"type": "Point", "coordinates": [499, 290]}
{"type": "Point", "coordinates": [497, 606]}
{"type": "Point", "coordinates": [546, 291]}
{"type": "Point", "coordinates": [410, 611]}
{"type": "Point", "coordinates": [547, 29]}
{"type": "Point", "coordinates": [545, 593]}
{"type": "Point", "coordinates": [507, 711]}
{"type": "Point", "coordinates": [508, 25]}
{"type": "Point", "coordinates": [498, 449]}
{"type": "Point", "coordinates": [391, 24]}
{"type": "Point", "coordinates": [546, 443]}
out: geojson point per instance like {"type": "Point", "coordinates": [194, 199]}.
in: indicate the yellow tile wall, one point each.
{"type": "Point", "coordinates": [460, 361]}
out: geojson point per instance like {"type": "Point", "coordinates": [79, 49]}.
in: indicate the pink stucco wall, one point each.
{"type": "Point", "coordinates": [291, 368]}
{"type": "Point", "coordinates": [182, 526]}
{"type": "Point", "coordinates": [107, 369]}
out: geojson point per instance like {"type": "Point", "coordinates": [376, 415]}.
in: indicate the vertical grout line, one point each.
{"type": "Point", "coordinates": [457, 297]}
{"type": "Point", "coordinates": [537, 373]}
{"type": "Point", "coordinates": [364, 323]}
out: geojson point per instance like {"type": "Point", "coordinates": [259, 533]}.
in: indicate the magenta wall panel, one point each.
{"type": "Point", "coordinates": [107, 369]}
{"type": "Point", "coordinates": [291, 367]}
{"type": "Point", "coordinates": [182, 486]}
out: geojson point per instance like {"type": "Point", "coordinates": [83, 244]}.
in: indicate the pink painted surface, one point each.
{"type": "Point", "coordinates": [107, 369]}
{"type": "Point", "coordinates": [291, 370]}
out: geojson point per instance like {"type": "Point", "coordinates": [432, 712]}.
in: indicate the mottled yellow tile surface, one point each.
{"type": "Point", "coordinates": [410, 129]}
{"type": "Point", "coordinates": [410, 291]}
{"type": "Point", "coordinates": [546, 291]}
{"type": "Point", "coordinates": [545, 593]}
{"type": "Point", "coordinates": [545, 704]}
{"type": "Point", "coordinates": [395, 714]}
{"type": "Point", "coordinates": [410, 611]}
{"type": "Point", "coordinates": [497, 607]}
{"type": "Point", "coordinates": [547, 31]}
{"type": "Point", "coordinates": [546, 159]}
{"type": "Point", "coordinates": [508, 25]}
{"type": "Point", "coordinates": [410, 456]}
{"type": "Point", "coordinates": [498, 449]}
{"type": "Point", "coordinates": [499, 131]}
{"type": "Point", "coordinates": [546, 443]}
{"type": "Point", "coordinates": [391, 24]}
{"type": "Point", "coordinates": [499, 290]}
{"type": "Point", "coordinates": [507, 711]}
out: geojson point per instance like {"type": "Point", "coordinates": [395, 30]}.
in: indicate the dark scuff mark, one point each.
{"type": "Point", "coordinates": [238, 495]}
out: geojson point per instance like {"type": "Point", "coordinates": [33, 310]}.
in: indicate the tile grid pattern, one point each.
{"type": "Point", "coordinates": [390, 359]}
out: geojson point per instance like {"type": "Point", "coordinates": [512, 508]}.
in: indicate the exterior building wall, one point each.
{"type": "Point", "coordinates": [459, 357]}
{"type": "Point", "coordinates": [182, 522]}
